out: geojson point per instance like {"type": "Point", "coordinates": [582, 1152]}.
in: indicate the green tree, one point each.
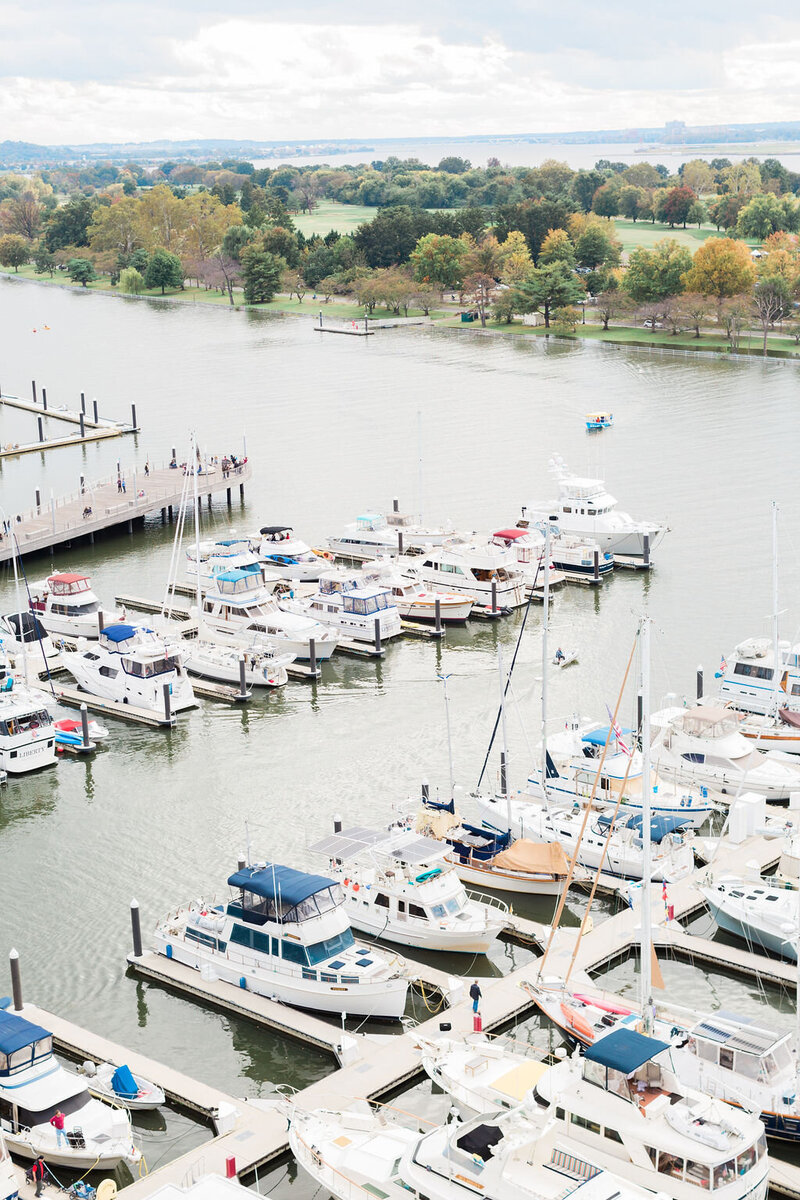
{"type": "Point", "coordinates": [677, 205]}
{"type": "Point", "coordinates": [69, 224]}
{"type": "Point", "coordinates": [453, 165]}
{"type": "Point", "coordinates": [654, 274]}
{"type": "Point", "coordinates": [43, 261]}
{"type": "Point", "coordinates": [261, 272]}
{"type": "Point", "coordinates": [697, 214]}
{"type": "Point", "coordinates": [548, 287]}
{"type": "Point", "coordinates": [131, 281]}
{"type": "Point", "coordinates": [583, 187]}
{"type": "Point", "coordinates": [283, 244]}
{"type": "Point", "coordinates": [629, 200]}
{"type": "Point", "coordinates": [235, 239]}
{"type": "Point", "coordinates": [15, 251]}
{"type": "Point", "coordinates": [772, 300]}
{"type": "Point", "coordinates": [721, 267]}
{"type": "Point", "coordinates": [438, 259]}
{"type": "Point", "coordinates": [534, 218]}
{"type": "Point", "coordinates": [503, 306]}
{"type": "Point", "coordinates": [557, 247]}
{"type": "Point", "coordinates": [81, 271]}
{"type": "Point", "coordinates": [164, 270]}
{"type": "Point", "coordinates": [565, 320]}
{"type": "Point", "coordinates": [596, 248]}
{"type": "Point", "coordinates": [606, 200]}
{"type": "Point", "coordinates": [760, 217]}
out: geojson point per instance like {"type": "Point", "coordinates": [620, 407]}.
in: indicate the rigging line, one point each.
{"type": "Point", "coordinates": [36, 620]}
{"type": "Point", "coordinates": [574, 859]}
{"type": "Point", "coordinates": [518, 707]}
{"type": "Point", "coordinates": [510, 670]}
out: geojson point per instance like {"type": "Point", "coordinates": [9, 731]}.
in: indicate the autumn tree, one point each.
{"type": "Point", "coordinates": [515, 257]}
{"type": "Point", "coordinates": [116, 227]}
{"type": "Point", "coordinates": [733, 313]}
{"type": "Point", "coordinates": [478, 290]}
{"type": "Point", "coordinates": [611, 304]}
{"type": "Point", "coordinates": [677, 205]}
{"type": "Point", "coordinates": [606, 201]}
{"type": "Point", "coordinates": [22, 215]}
{"type": "Point", "coordinates": [15, 251]}
{"type": "Point", "coordinates": [694, 308]}
{"type": "Point", "coordinates": [653, 274]}
{"type": "Point", "coordinates": [772, 300]}
{"type": "Point", "coordinates": [438, 259]}
{"type": "Point", "coordinates": [557, 247]}
{"type": "Point", "coordinates": [597, 247]}
{"type": "Point", "coordinates": [721, 267]}
{"type": "Point", "coordinates": [698, 176]}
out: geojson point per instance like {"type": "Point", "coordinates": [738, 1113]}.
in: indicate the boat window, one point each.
{"type": "Point", "coordinates": [752, 671]}
{"type": "Point", "coordinates": [559, 1114]}
{"type": "Point", "coordinates": [20, 1058]}
{"type": "Point", "coordinates": [148, 670]}
{"type": "Point", "coordinates": [321, 951]}
{"type": "Point", "coordinates": [670, 1164]}
{"type": "Point", "coordinates": [293, 953]}
{"type": "Point", "coordinates": [381, 600]}
{"type": "Point", "coordinates": [591, 512]}
{"type": "Point", "coordinates": [744, 1162]}
{"type": "Point", "coordinates": [725, 1173]}
{"type": "Point", "coordinates": [43, 1047]}
{"type": "Point", "coordinates": [438, 911]}
{"type": "Point", "coordinates": [381, 900]}
{"type": "Point", "coordinates": [783, 1057]}
{"type": "Point", "coordinates": [453, 905]}
{"type": "Point", "coordinates": [109, 672]}
{"type": "Point", "coordinates": [583, 1123]}
{"type": "Point", "coordinates": [761, 1146]}
{"type": "Point", "coordinates": [651, 1150]}
{"type": "Point", "coordinates": [748, 1065]}
{"type": "Point", "coordinates": [726, 1058]}
{"type": "Point", "coordinates": [707, 1050]}
{"type": "Point", "coordinates": [698, 1174]}
{"type": "Point", "coordinates": [371, 605]}
{"type": "Point", "coordinates": [353, 604]}
{"type": "Point", "coordinates": [594, 1072]}
{"type": "Point", "coordinates": [92, 657]}
{"type": "Point", "coordinates": [566, 508]}
{"type": "Point", "coordinates": [415, 911]}
{"type": "Point", "coordinates": [612, 1135]}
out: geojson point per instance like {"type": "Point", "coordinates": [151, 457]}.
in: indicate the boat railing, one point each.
{"type": "Point", "coordinates": [489, 901]}
{"type": "Point", "coordinates": [335, 1181]}
{"type": "Point", "coordinates": [299, 972]}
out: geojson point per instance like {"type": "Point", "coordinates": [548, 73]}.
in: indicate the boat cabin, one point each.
{"type": "Point", "coordinates": [65, 595]}
{"type": "Point", "coordinates": [736, 1044]}
{"type": "Point", "coordinates": [241, 583]}
{"type": "Point", "coordinates": [276, 533]}
{"type": "Point", "coordinates": [623, 1062]}
{"type": "Point", "coordinates": [355, 598]}
{"type": "Point", "coordinates": [370, 522]}
{"type": "Point", "coordinates": [586, 497]}
{"type": "Point", "coordinates": [151, 659]}
{"type": "Point", "coordinates": [22, 1044]}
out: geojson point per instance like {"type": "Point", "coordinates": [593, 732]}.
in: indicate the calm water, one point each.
{"type": "Point", "coordinates": [331, 426]}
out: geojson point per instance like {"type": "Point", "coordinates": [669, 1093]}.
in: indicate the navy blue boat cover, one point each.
{"type": "Point", "coordinates": [16, 1032]}
{"type": "Point", "coordinates": [624, 1050]}
{"type": "Point", "coordinates": [119, 633]}
{"type": "Point", "coordinates": [272, 882]}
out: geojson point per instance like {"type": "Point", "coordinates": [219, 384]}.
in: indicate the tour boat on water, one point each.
{"type": "Point", "coordinates": [214, 558]}
{"type": "Point", "coordinates": [703, 746]}
{"type": "Point", "coordinates": [351, 606]}
{"type": "Point", "coordinates": [570, 557]}
{"type": "Point", "coordinates": [622, 1107]}
{"type": "Point", "coordinates": [474, 568]}
{"type": "Point", "coordinates": [34, 1087]}
{"type": "Point", "coordinates": [67, 607]}
{"type": "Point", "coordinates": [414, 600]}
{"type": "Point", "coordinates": [584, 508]}
{"type": "Point", "coordinates": [284, 556]}
{"type": "Point", "coordinates": [132, 664]}
{"type": "Point", "coordinates": [119, 1084]}
{"type": "Point", "coordinates": [599, 420]}
{"type": "Point", "coordinates": [400, 888]}
{"type": "Point", "coordinates": [762, 914]}
{"type": "Point", "coordinates": [240, 608]}
{"type": "Point", "coordinates": [358, 1152]}
{"type": "Point", "coordinates": [373, 534]}
{"type": "Point", "coordinates": [285, 934]}
{"type": "Point", "coordinates": [27, 736]}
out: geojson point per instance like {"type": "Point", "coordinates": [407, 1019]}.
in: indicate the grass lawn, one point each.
{"type": "Point", "coordinates": [644, 337]}
{"type": "Point", "coordinates": [329, 214]}
{"type": "Point", "coordinates": [644, 233]}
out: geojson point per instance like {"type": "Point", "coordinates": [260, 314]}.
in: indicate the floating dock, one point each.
{"type": "Point", "coordinates": [98, 427]}
{"type": "Point", "coordinates": [61, 522]}
{"type": "Point", "coordinates": [73, 697]}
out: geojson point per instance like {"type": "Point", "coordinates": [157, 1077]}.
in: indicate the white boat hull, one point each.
{"type": "Point", "coordinates": [237, 635]}
{"type": "Point", "coordinates": [141, 694]}
{"type": "Point", "coordinates": [221, 672]}
{"type": "Point", "coordinates": [452, 611]}
{"type": "Point", "coordinates": [508, 881]}
{"type": "Point", "coordinates": [32, 756]}
{"type": "Point", "coordinates": [453, 940]}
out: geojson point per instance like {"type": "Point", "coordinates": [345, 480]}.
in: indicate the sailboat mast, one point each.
{"type": "Point", "coordinates": [198, 590]}
{"type": "Point", "coordinates": [504, 788]}
{"type": "Point", "coordinates": [419, 463]}
{"type": "Point", "coordinates": [646, 964]}
{"type": "Point", "coordinates": [776, 646]}
{"type": "Point", "coordinates": [545, 623]}
{"type": "Point", "coordinates": [15, 549]}
{"type": "Point", "coordinates": [444, 679]}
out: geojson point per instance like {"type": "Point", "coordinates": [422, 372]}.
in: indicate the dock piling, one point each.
{"type": "Point", "coordinates": [494, 596]}
{"type": "Point", "coordinates": [395, 504]}
{"type": "Point", "coordinates": [228, 496]}
{"type": "Point", "coordinates": [646, 555]}
{"type": "Point", "coordinates": [38, 501]}
{"type": "Point", "coordinates": [41, 429]}
{"type": "Point", "coordinates": [33, 389]}
{"type": "Point", "coordinates": [85, 725]}
{"type": "Point", "coordinates": [399, 541]}
{"type": "Point", "coordinates": [437, 608]}
{"type": "Point", "coordinates": [312, 655]}
{"type": "Point", "coordinates": [16, 980]}
{"type": "Point", "coordinates": [337, 824]}
{"type": "Point", "coordinates": [94, 410]}
{"type": "Point", "coordinates": [83, 403]}
{"type": "Point", "coordinates": [44, 398]}
{"type": "Point", "coordinates": [133, 416]}
{"type": "Point", "coordinates": [242, 679]}
{"type": "Point", "coordinates": [167, 706]}
{"type": "Point", "coordinates": [136, 929]}
{"type": "Point", "coordinates": [700, 683]}
{"type": "Point", "coordinates": [83, 426]}
{"type": "Point", "coordinates": [100, 621]}
{"type": "Point", "coordinates": [378, 635]}
{"type": "Point", "coordinates": [426, 790]}
{"type": "Point", "coordinates": [596, 575]}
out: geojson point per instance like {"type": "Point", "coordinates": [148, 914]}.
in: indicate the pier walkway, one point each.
{"type": "Point", "coordinates": [62, 521]}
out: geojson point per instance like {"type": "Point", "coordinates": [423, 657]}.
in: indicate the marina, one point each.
{"type": "Point", "coordinates": [159, 812]}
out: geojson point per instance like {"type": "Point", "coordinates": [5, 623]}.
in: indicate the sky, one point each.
{"type": "Point", "coordinates": [133, 70]}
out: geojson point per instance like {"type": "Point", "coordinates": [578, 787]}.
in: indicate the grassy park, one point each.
{"type": "Point", "coordinates": [329, 214]}
{"type": "Point", "coordinates": [634, 234]}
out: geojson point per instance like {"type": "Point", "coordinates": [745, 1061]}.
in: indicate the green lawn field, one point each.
{"type": "Point", "coordinates": [644, 233]}
{"type": "Point", "coordinates": [329, 214]}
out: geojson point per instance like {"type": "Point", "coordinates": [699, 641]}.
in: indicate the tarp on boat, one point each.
{"type": "Point", "coordinates": [624, 1050]}
{"type": "Point", "coordinates": [789, 717]}
{"type": "Point", "coordinates": [280, 883]}
{"type": "Point", "coordinates": [123, 1083]}
{"type": "Point", "coordinates": [120, 632]}
{"type": "Point", "coordinates": [539, 858]}
{"type": "Point", "coordinates": [16, 1032]}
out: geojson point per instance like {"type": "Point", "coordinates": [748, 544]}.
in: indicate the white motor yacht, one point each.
{"type": "Point", "coordinates": [119, 1084]}
{"type": "Point", "coordinates": [586, 510]}
{"type": "Point", "coordinates": [67, 607]}
{"type": "Point", "coordinates": [223, 664]}
{"type": "Point", "coordinates": [621, 1107]}
{"type": "Point", "coordinates": [226, 554]}
{"type": "Point", "coordinates": [10, 1178]}
{"type": "Point", "coordinates": [34, 1087]}
{"type": "Point", "coordinates": [415, 601]}
{"type": "Point", "coordinates": [20, 630]}
{"type": "Point", "coordinates": [571, 558]}
{"type": "Point", "coordinates": [762, 914]}
{"type": "Point", "coordinates": [703, 746]}
{"type": "Point", "coordinates": [132, 664]}
{"type": "Point", "coordinates": [240, 608]}
{"type": "Point", "coordinates": [399, 887]}
{"type": "Point", "coordinates": [617, 844]}
{"type": "Point", "coordinates": [780, 731]}
{"type": "Point", "coordinates": [350, 606]}
{"type": "Point", "coordinates": [285, 934]}
{"type": "Point", "coordinates": [27, 735]}
{"type": "Point", "coordinates": [373, 534]}
{"type": "Point", "coordinates": [359, 1152]}
{"type": "Point", "coordinates": [285, 556]}
{"type": "Point", "coordinates": [474, 568]}
{"type": "Point", "coordinates": [748, 680]}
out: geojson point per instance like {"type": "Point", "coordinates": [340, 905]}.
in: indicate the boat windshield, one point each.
{"type": "Point", "coordinates": [25, 723]}
{"type": "Point", "coordinates": [322, 951]}
{"type": "Point", "coordinates": [364, 605]}
{"type": "Point", "coordinates": [21, 1059]}
{"type": "Point", "coordinates": [147, 670]}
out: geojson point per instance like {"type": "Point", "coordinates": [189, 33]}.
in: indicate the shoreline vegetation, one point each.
{"type": "Point", "coordinates": [703, 257]}
{"type": "Point", "coordinates": [781, 346]}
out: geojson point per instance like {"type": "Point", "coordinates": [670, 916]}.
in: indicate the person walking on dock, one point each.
{"type": "Point", "coordinates": [119, 485]}
{"type": "Point", "coordinates": [475, 995]}
{"type": "Point", "coordinates": [57, 1121]}
{"type": "Point", "coordinates": [146, 469]}
{"type": "Point", "coordinates": [37, 1174]}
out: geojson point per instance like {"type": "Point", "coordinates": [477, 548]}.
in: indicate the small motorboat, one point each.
{"type": "Point", "coordinates": [68, 725]}
{"type": "Point", "coordinates": [121, 1085]}
{"type": "Point", "coordinates": [599, 420]}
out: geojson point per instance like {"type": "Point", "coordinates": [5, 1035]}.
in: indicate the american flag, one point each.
{"type": "Point", "coordinates": [621, 743]}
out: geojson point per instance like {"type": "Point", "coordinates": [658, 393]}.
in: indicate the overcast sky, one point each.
{"type": "Point", "coordinates": [120, 70]}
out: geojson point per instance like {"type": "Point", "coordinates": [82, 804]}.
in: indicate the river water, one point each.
{"type": "Point", "coordinates": [333, 426]}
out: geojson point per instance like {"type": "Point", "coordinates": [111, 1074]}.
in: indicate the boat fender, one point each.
{"type": "Point", "coordinates": [243, 982]}
{"type": "Point", "coordinates": [346, 883]}
{"type": "Point", "coordinates": [355, 887]}
{"type": "Point", "coordinates": [169, 951]}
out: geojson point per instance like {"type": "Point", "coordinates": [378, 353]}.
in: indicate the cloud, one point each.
{"type": "Point", "coordinates": [131, 70]}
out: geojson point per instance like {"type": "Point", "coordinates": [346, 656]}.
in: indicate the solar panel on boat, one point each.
{"type": "Point", "coordinates": [349, 843]}
{"type": "Point", "coordinates": [417, 850]}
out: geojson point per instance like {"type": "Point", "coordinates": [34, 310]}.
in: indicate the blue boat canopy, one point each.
{"type": "Point", "coordinates": [284, 883]}
{"type": "Point", "coordinates": [230, 541]}
{"type": "Point", "coordinates": [624, 1050]}
{"type": "Point", "coordinates": [660, 827]}
{"type": "Point", "coordinates": [599, 737]}
{"type": "Point", "coordinates": [237, 575]}
{"type": "Point", "coordinates": [120, 632]}
{"type": "Point", "coordinates": [16, 1032]}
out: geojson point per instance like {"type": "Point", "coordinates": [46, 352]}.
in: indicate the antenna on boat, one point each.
{"type": "Point", "coordinates": [504, 788]}
{"type": "Point", "coordinates": [646, 963]}
{"type": "Point", "coordinates": [247, 841]}
{"type": "Point", "coordinates": [444, 679]}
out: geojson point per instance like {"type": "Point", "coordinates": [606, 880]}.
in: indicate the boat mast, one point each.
{"type": "Point", "coordinates": [504, 788]}
{"type": "Point", "coordinates": [198, 590]}
{"type": "Point", "coordinates": [15, 549]}
{"type": "Point", "coordinates": [776, 646]}
{"type": "Point", "coordinates": [444, 679]}
{"type": "Point", "coordinates": [419, 463]}
{"type": "Point", "coordinates": [545, 664]}
{"type": "Point", "coordinates": [646, 964]}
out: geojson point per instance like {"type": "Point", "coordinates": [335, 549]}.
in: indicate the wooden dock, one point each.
{"type": "Point", "coordinates": [92, 429]}
{"type": "Point", "coordinates": [61, 522]}
{"type": "Point", "coordinates": [140, 604]}
{"type": "Point", "coordinates": [73, 697]}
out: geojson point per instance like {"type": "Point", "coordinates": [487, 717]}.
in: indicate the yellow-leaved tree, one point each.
{"type": "Point", "coordinates": [722, 267]}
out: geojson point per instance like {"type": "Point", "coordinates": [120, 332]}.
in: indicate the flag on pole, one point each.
{"type": "Point", "coordinates": [620, 740]}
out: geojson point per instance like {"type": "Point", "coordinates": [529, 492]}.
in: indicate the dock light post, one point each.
{"type": "Point", "coordinates": [136, 929]}
{"type": "Point", "coordinates": [16, 981]}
